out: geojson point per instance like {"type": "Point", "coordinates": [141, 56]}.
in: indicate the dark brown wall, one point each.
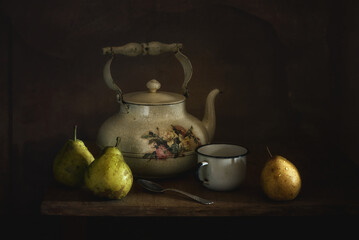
{"type": "Point", "coordinates": [287, 69]}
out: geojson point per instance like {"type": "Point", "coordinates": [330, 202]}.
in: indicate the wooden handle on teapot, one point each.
{"type": "Point", "coordinates": [136, 49]}
{"type": "Point", "coordinates": [151, 48]}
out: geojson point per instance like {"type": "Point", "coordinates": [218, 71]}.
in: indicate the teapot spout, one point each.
{"type": "Point", "coordinates": [209, 118]}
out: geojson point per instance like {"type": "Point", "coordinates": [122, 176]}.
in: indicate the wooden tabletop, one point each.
{"type": "Point", "coordinates": [248, 200]}
{"type": "Point", "coordinates": [330, 185]}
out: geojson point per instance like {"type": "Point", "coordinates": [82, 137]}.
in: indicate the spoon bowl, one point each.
{"type": "Point", "coordinates": [151, 186]}
{"type": "Point", "coordinates": [154, 187]}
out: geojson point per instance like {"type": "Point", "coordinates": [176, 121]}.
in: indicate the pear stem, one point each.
{"type": "Point", "coordinates": [270, 154]}
{"type": "Point", "coordinates": [75, 133]}
{"type": "Point", "coordinates": [118, 140]}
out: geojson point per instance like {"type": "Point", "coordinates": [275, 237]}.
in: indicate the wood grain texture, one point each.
{"type": "Point", "coordinates": [322, 193]}
{"type": "Point", "coordinates": [246, 201]}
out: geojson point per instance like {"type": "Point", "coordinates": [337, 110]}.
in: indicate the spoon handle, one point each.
{"type": "Point", "coordinates": [196, 198]}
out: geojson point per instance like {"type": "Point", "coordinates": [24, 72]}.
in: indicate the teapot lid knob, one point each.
{"type": "Point", "coordinates": [153, 85]}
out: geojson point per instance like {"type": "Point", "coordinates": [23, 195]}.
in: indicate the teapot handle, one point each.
{"type": "Point", "coordinates": [151, 48]}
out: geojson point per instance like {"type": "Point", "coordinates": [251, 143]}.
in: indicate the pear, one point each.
{"type": "Point", "coordinates": [280, 179]}
{"type": "Point", "coordinates": [71, 162]}
{"type": "Point", "coordinates": [109, 176]}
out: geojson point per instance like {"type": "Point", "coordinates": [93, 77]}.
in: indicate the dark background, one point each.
{"type": "Point", "coordinates": [288, 71]}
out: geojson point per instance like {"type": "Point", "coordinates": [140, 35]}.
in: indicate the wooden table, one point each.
{"type": "Point", "coordinates": [248, 200]}
{"type": "Point", "coordinates": [330, 186]}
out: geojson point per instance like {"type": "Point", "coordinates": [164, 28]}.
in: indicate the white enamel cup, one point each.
{"type": "Point", "coordinates": [221, 167]}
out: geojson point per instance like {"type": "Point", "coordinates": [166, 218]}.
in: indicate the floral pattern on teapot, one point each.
{"type": "Point", "coordinates": [171, 143]}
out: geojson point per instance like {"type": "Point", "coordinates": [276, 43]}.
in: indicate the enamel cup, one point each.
{"type": "Point", "coordinates": [221, 167]}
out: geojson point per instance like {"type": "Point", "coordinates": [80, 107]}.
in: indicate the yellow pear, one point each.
{"type": "Point", "coordinates": [280, 179]}
{"type": "Point", "coordinates": [71, 162]}
{"type": "Point", "coordinates": [109, 176]}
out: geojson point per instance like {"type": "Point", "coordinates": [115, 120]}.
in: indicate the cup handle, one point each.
{"type": "Point", "coordinates": [201, 173]}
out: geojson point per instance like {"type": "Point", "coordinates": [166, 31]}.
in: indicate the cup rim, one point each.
{"type": "Point", "coordinates": [227, 144]}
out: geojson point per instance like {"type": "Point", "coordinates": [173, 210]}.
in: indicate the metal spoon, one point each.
{"type": "Point", "coordinates": [154, 187]}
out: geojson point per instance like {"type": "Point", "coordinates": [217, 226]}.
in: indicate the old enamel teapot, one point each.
{"type": "Point", "coordinates": [158, 136]}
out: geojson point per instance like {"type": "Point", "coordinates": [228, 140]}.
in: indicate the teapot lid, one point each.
{"type": "Point", "coordinates": [153, 97]}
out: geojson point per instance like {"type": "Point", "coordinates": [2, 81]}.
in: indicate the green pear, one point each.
{"type": "Point", "coordinates": [71, 162]}
{"type": "Point", "coordinates": [109, 176]}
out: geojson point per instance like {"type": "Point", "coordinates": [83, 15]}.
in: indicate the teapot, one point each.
{"type": "Point", "coordinates": [158, 136]}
